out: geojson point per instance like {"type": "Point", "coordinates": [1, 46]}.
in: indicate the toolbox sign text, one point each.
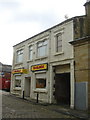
{"type": "Point", "coordinates": [39, 67]}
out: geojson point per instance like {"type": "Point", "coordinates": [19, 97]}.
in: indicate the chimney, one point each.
{"type": "Point", "coordinates": [87, 7]}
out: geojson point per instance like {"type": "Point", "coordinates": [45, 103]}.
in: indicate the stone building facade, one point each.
{"type": "Point", "coordinates": [39, 62]}
{"type": "Point", "coordinates": [81, 45]}
{"type": "Point", "coordinates": [48, 65]}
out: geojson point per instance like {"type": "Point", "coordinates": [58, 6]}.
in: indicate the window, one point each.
{"type": "Point", "coordinates": [40, 83]}
{"type": "Point", "coordinates": [59, 42]}
{"type": "Point", "coordinates": [42, 48]}
{"type": "Point", "coordinates": [30, 52]}
{"type": "Point", "coordinates": [41, 80]}
{"type": "Point", "coordinates": [17, 81]}
{"type": "Point", "coordinates": [19, 56]}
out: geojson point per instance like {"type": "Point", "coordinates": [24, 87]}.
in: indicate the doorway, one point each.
{"type": "Point", "coordinates": [62, 88]}
{"type": "Point", "coordinates": [27, 86]}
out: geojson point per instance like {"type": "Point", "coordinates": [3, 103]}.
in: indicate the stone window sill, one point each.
{"type": "Point", "coordinates": [59, 53]}
{"type": "Point", "coordinates": [40, 90]}
{"type": "Point", "coordinates": [40, 58]}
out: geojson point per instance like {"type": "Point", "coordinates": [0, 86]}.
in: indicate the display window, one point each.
{"type": "Point", "coordinates": [17, 81]}
{"type": "Point", "coordinates": [41, 80]}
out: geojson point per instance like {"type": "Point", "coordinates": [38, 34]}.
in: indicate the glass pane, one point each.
{"type": "Point", "coordinates": [18, 53]}
{"type": "Point", "coordinates": [59, 37]}
{"type": "Point", "coordinates": [38, 51]}
{"type": "Point", "coordinates": [45, 42]}
{"type": "Point", "coordinates": [40, 83]}
{"type": "Point", "coordinates": [44, 50]}
{"type": "Point", "coordinates": [39, 44]}
{"type": "Point", "coordinates": [59, 43]}
{"type": "Point", "coordinates": [17, 83]}
{"type": "Point", "coordinates": [30, 47]}
{"type": "Point", "coordinates": [20, 57]}
{"type": "Point", "coordinates": [21, 51]}
{"type": "Point", "coordinates": [41, 51]}
{"type": "Point", "coordinates": [30, 55]}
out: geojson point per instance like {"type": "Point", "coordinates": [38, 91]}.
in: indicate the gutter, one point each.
{"type": "Point", "coordinates": [79, 40]}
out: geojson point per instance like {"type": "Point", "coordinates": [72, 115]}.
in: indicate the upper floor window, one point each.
{"type": "Point", "coordinates": [30, 52]}
{"type": "Point", "coordinates": [42, 48]}
{"type": "Point", "coordinates": [59, 42]}
{"type": "Point", "coordinates": [19, 56]}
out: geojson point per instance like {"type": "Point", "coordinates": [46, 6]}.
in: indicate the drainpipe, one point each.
{"type": "Point", "coordinates": [23, 94]}
{"type": "Point", "coordinates": [50, 70]}
{"type": "Point", "coordinates": [37, 97]}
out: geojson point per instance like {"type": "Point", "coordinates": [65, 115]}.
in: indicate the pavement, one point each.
{"type": "Point", "coordinates": [64, 109]}
{"type": "Point", "coordinates": [32, 109]}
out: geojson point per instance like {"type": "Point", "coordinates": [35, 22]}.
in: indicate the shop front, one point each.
{"type": "Point", "coordinates": [17, 86]}
{"type": "Point", "coordinates": [40, 81]}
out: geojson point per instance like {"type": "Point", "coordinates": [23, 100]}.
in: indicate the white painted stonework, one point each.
{"type": "Point", "coordinates": [63, 60]}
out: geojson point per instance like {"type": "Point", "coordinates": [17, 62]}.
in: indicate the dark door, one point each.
{"type": "Point", "coordinates": [62, 88]}
{"type": "Point", "coordinates": [27, 86]}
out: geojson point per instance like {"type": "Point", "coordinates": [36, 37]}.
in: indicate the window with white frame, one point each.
{"type": "Point", "coordinates": [19, 56]}
{"type": "Point", "coordinates": [59, 42]}
{"type": "Point", "coordinates": [30, 52]}
{"type": "Point", "coordinates": [42, 48]}
{"type": "Point", "coordinates": [41, 80]}
{"type": "Point", "coordinates": [17, 81]}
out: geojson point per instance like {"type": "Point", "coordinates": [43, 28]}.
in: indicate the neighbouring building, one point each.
{"type": "Point", "coordinates": [47, 64]}
{"type": "Point", "coordinates": [81, 45]}
{"type": "Point", "coordinates": [5, 76]}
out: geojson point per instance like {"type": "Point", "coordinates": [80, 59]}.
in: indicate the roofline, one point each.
{"type": "Point", "coordinates": [87, 3]}
{"type": "Point", "coordinates": [7, 65]}
{"type": "Point", "coordinates": [50, 28]}
{"type": "Point", "coordinates": [83, 39]}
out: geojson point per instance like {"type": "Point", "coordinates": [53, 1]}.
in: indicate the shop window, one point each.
{"type": "Point", "coordinates": [17, 81]}
{"type": "Point", "coordinates": [30, 52]}
{"type": "Point", "coordinates": [19, 56]}
{"type": "Point", "coordinates": [41, 80]}
{"type": "Point", "coordinates": [40, 83]}
{"type": "Point", "coordinates": [59, 42]}
{"type": "Point", "coordinates": [42, 48]}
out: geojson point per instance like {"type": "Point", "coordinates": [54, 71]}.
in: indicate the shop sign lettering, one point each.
{"type": "Point", "coordinates": [39, 67]}
{"type": "Point", "coordinates": [19, 71]}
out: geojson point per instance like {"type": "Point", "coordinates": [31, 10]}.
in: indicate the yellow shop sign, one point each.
{"type": "Point", "coordinates": [39, 67]}
{"type": "Point", "coordinates": [22, 71]}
